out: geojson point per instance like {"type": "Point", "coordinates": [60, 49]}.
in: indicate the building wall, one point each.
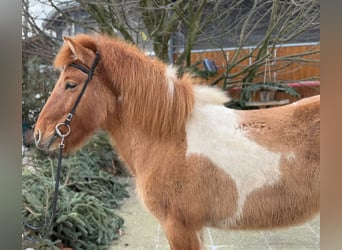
{"type": "Point", "coordinates": [277, 71]}
{"type": "Point", "coordinates": [302, 75]}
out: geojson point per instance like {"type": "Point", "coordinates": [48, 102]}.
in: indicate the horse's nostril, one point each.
{"type": "Point", "coordinates": [37, 136]}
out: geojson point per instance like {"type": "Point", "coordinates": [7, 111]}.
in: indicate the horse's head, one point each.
{"type": "Point", "coordinates": [76, 58]}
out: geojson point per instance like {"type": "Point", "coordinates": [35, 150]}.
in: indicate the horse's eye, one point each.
{"type": "Point", "coordinates": [70, 85]}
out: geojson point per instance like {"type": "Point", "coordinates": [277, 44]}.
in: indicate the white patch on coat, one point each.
{"type": "Point", "coordinates": [211, 132]}
{"type": "Point", "coordinates": [171, 78]}
{"type": "Point", "coordinates": [211, 95]}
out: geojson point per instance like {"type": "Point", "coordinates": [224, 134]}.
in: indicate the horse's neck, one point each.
{"type": "Point", "coordinates": [142, 152]}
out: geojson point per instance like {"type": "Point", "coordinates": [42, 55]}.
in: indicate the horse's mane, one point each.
{"type": "Point", "coordinates": [151, 94]}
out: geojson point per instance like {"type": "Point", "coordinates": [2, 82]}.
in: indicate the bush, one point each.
{"type": "Point", "coordinates": [88, 196]}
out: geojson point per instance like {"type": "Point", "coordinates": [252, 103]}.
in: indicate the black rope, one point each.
{"type": "Point", "coordinates": [48, 227]}
{"type": "Point", "coordinates": [57, 181]}
{"type": "Point", "coordinates": [66, 123]}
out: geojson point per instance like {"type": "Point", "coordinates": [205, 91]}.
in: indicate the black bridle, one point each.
{"type": "Point", "coordinates": [66, 123]}
{"type": "Point", "coordinates": [58, 132]}
{"type": "Point", "coordinates": [90, 73]}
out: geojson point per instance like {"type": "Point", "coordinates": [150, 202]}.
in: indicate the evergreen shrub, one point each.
{"type": "Point", "coordinates": [88, 197]}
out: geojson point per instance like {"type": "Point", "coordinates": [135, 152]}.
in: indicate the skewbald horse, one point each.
{"type": "Point", "coordinates": [197, 163]}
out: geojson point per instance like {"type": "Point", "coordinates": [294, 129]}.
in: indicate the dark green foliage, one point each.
{"type": "Point", "coordinates": [88, 197]}
{"type": "Point", "coordinates": [38, 81]}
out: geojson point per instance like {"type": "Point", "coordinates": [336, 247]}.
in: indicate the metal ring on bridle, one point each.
{"type": "Point", "coordinates": [59, 132]}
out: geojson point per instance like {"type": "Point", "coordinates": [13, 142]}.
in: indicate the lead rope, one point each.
{"type": "Point", "coordinates": [48, 226]}
{"type": "Point", "coordinates": [63, 135]}
{"type": "Point", "coordinates": [58, 174]}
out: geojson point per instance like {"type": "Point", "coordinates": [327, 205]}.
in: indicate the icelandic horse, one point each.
{"type": "Point", "coordinates": [196, 162]}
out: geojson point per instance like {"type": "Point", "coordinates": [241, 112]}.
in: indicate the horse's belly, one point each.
{"type": "Point", "coordinates": [273, 207]}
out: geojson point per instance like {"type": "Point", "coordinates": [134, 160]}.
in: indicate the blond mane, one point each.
{"type": "Point", "coordinates": [150, 92]}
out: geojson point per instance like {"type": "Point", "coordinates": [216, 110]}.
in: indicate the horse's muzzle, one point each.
{"type": "Point", "coordinates": [44, 142]}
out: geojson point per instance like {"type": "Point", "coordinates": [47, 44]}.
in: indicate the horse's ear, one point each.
{"type": "Point", "coordinates": [79, 52]}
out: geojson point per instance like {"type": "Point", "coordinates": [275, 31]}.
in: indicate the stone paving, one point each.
{"type": "Point", "coordinates": [142, 232]}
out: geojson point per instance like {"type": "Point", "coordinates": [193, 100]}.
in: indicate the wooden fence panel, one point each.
{"type": "Point", "coordinates": [283, 66]}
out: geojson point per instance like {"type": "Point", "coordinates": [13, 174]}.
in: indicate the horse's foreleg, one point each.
{"type": "Point", "coordinates": [181, 237]}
